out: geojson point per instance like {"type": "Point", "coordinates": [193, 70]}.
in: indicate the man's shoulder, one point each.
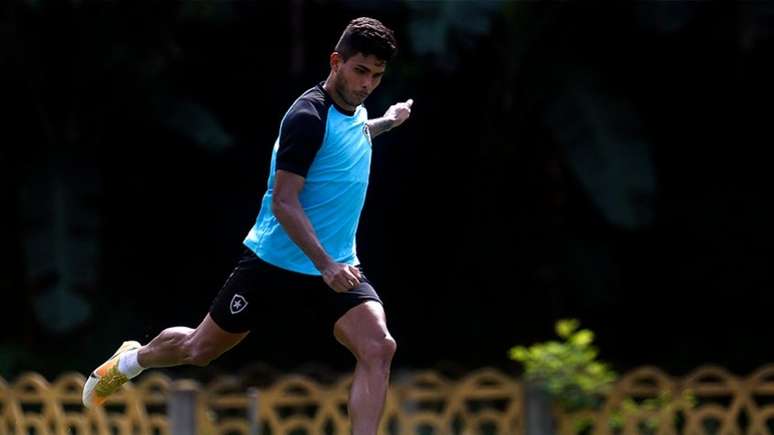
{"type": "Point", "coordinates": [312, 102]}
{"type": "Point", "coordinates": [309, 113]}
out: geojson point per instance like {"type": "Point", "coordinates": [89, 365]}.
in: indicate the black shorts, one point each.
{"type": "Point", "coordinates": [256, 289]}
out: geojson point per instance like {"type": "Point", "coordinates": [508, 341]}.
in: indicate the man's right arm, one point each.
{"type": "Point", "coordinates": [393, 117]}
{"type": "Point", "coordinates": [288, 210]}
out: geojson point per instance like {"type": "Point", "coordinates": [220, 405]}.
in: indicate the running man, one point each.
{"type": "Point", "coordinates": [303, 240]}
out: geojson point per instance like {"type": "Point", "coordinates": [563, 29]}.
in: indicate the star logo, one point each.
{"type": "Point", "coordinates": [238, 303]}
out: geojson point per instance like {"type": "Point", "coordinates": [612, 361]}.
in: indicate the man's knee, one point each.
{"type": "Point", "coordinates": [200, 353]}
{"type": "Point", "coordinates": [379, 351]}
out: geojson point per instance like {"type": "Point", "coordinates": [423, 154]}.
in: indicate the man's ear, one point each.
{"type": "Point", "coordinates": [336, 61]}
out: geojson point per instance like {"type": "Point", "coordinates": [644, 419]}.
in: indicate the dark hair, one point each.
{"type": "Point", "coordinates": [367, 36]}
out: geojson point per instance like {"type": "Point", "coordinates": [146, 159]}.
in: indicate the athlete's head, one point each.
{"type": "Point", "coordinates": [360, 58]}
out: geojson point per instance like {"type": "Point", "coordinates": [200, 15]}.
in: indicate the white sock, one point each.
{"type": "Point", "coordinates": [128, 365]}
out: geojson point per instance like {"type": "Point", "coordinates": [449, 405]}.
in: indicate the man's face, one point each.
{"type": "Point", "coordinates": [356, 78]}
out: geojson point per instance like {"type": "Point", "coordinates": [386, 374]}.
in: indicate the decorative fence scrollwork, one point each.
{"type": "Point", "coordinates": [486, 401]}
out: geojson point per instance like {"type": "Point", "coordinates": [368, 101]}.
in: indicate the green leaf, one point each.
{"type": "Point", "coordinates": [553, 348]}
{"type": "Point", "coordinates": [565, 327]}
{"type": "Point", "coordinates": [519, 353]}
{"type": "Point", "coordinates": [582, 338]}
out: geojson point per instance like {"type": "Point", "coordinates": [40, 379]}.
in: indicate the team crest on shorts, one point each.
{"type": "Point", "coordinates": [238, 303]}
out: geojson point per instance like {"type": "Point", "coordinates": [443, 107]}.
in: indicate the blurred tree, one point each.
{"type": "Point", "coordinates": [80, 65]}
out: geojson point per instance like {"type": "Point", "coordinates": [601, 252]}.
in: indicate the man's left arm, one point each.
{"type": "Point", "coordinates": [393, 117]}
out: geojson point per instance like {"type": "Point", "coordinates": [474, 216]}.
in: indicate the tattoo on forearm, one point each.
{"type": "Point", "coordinates": [379, 125]}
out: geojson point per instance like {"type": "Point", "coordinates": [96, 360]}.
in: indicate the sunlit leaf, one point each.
{"type": "Point", "coordinates": [565, 327]}
{"type": "Point", "coordinates": [519, 353]}
{"type": "Point", "coordinates": [582, 338]}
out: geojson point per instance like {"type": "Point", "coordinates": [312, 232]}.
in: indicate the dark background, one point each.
{"type": "Point", "coordinates": [606, 161]}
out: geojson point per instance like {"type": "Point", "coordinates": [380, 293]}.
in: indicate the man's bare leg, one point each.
{"type": "Point", "coordinates": [174, 346]}
{"type": "Point", "coordinates": [363, 330]}
{"type": "Point", "coordinates": [180, 345]}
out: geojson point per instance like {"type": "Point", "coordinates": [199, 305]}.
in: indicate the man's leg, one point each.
{"type": "Point", "coordinates": [180, 345]}
{"type": "Point", "coordinates": [363, 330]}
{"type": "Point", "coordinates": [173, 347]}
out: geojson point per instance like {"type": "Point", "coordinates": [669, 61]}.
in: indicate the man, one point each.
{"type": "Point", "coordinates": [303, 240]}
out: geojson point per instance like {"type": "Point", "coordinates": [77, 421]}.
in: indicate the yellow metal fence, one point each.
{"type": "Point", "coordinates": [483, 402]}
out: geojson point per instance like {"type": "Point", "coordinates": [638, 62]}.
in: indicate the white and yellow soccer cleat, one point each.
{"type": "Point", "coordinates": [106, 379]}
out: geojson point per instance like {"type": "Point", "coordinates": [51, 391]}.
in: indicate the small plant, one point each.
{"type": "Point", "coordinates": [574, 378]}
{"type": "Point", "coordinates": [567, 369]}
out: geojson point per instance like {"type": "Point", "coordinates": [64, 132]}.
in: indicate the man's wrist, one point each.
{"type": "Point", "coordinates": [390, 123]}
{"type": "Point", "coordinates": [323, 263]}
{"type": "Point", "coordinates": [380, 125]}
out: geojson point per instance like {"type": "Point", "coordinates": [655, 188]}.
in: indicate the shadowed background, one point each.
{"type": "Point", "coordinates": [607, 162]}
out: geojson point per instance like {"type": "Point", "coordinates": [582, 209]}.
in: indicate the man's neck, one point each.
{"type": "Point", "coordinates": [331, 90]}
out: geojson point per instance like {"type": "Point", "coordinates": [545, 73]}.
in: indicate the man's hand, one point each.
{"type": "Point", "coordinates": [341, 277]}
{"type": "Point", "coordinates": [399, 112]}
{"type": "Point", "coordinates": [393, 117]}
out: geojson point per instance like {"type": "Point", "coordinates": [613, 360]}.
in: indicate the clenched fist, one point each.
{"type": "Point", "coordinates": [399, 112]}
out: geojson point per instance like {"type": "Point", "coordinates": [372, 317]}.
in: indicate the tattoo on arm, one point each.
{"type": "Point", "coordinates": [379, 125]}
